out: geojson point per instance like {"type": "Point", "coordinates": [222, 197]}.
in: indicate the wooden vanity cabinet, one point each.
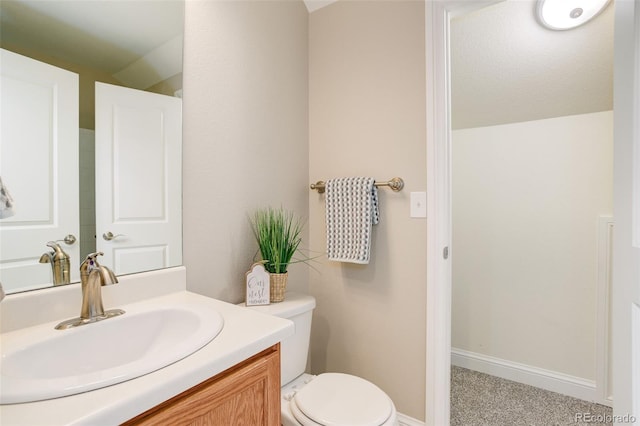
{"type": "Point", "coordinates": [246, 394]}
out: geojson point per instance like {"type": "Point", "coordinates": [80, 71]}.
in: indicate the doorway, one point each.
{"type": "Point", "coordinates": [532, 179]}
{"type": "Point", "coordinates": [438, 18]}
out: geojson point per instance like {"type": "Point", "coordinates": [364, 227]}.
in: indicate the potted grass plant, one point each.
{"type": "Point", "coordinates": [278, 233]}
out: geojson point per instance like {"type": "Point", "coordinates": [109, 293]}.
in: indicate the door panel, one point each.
{"type": "Point", "coordinates": [134, 259]}
{"type": "Point", "coordinates": [39, 167]}
{"type": "Point", "coordinates": [138, 146]}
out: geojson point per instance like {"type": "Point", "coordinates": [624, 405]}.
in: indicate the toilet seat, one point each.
{"type": "Point", "coordinates": [336, 399]}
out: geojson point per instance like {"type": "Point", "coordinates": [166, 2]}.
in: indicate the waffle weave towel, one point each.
{"type": "Point", "coordinates": [351, 210]}
{"type": "Point", "coordinates": [6, 202]}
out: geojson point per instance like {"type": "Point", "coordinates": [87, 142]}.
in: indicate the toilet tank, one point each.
{"type": "Point", "coordinates": [298, 308]}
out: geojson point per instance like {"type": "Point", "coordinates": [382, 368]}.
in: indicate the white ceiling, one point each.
{"type": "Point", "coordinates": [313, 5]}
{"type": "Point", "coordinates": [106, 35]}
{"type": "Point", "coordinates": [507, 68]}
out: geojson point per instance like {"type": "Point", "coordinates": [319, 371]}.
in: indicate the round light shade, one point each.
{"type": "Point", "coordinates": [567, 14]}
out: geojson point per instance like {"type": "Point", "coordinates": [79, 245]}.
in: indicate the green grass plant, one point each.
{"type": "Point", "coordinates": [278, 233]}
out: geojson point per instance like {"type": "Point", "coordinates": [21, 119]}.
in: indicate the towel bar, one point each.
{"type": "Point", "coordinates": [395, 184]}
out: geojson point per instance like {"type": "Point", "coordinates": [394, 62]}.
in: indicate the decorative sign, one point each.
{"type": "Point", "coordinates": [257, 285]}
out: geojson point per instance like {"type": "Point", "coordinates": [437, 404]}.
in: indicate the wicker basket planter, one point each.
{"type": "Point", "coordinates": [277, 287]}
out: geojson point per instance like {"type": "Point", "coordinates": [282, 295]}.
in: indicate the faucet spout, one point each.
{"type": "Point", "coordinates": [93, 276]}
{"type": "Point", "coordinates": [60, 263]}
{"type": "Point", "coordinates": [92, 292]}
{"type": "Point", "coordinates": [107, 277]}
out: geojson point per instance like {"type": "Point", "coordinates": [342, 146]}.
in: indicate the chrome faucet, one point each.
{"type": "Point", "coordinates": [92, 277]}
{"type": "Point", "coordinates": [60, 263]}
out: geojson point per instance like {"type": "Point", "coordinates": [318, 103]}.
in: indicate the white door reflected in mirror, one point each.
{"type": "Point", "coordinates": [138, 184]}
{"type": "Point", "coordinates": [39, 166]}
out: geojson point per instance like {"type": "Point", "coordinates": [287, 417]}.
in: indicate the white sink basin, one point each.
{"type": "Point", "coordinates": [42, 363]}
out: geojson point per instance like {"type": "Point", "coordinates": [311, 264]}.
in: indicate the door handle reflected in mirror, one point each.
{"type": "Point", "coordinates": [68, 240]}
{"type": "Point", "coordinates": [108, 236]}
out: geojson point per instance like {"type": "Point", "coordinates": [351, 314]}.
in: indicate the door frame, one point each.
{"type": "Point", "coordinates": [626, 208]}
{"type": "Point", "coordinates": [438, 15]}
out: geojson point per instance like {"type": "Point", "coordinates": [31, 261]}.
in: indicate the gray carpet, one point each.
{"type": "Point", "coordinates": [479, 399]}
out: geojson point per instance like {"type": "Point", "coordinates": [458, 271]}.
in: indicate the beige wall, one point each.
{"type": "Point", "coordinates": [247, 144]}
{"type": "Point", "coordinates": [526, 202]}
{"type": "Point", "coordinates": [245, 134]}
{"type": "Point", "coordinates": [367, 117]}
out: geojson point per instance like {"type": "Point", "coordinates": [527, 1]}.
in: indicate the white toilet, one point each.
{"type": "Point", "coordinates": [329, 399]}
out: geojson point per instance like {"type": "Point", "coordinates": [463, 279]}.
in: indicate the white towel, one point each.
{"type": "Point", "coordinates": [351, 209]}
{"type": "Point", "coordinates": [6, 202]}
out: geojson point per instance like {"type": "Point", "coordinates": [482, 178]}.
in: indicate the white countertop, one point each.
{"type": "Point", "coordinates": [245, 333]}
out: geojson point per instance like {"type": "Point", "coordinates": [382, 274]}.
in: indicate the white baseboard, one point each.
{"type": "Point", "coordinates": [408, 421]}
{"type": "Point", "coordinates": [546, 379]}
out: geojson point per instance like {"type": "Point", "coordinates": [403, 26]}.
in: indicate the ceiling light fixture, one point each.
{"type": "Point", "coordinates": [568, 14]}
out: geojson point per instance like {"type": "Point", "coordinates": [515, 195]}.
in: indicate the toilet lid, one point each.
{"type": "Point", "coordinates": [336, 399]}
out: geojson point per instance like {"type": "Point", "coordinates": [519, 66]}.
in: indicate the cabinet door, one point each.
{"type": "Point", "coordinates": [247, 394]}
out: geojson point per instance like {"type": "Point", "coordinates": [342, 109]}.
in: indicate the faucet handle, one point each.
{"type": "Point", "coordinates": [91, 262]}
{"type": "Point", "coordinates": [93, 256]}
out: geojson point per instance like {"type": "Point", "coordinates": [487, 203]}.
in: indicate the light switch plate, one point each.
{"type": "Point", "coordinates": [418, 204]}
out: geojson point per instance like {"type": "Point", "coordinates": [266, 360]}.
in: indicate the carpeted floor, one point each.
{"type": "Point", "coordinates": [479, 399]}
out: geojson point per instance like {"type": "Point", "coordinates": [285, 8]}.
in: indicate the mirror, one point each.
{"type": "Point", "coordinates": [135, 44]}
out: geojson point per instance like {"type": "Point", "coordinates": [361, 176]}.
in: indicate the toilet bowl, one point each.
{"type": "Point", "coordinates": [328, 399]}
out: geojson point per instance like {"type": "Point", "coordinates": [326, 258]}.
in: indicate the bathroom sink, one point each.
{"type": "Point", "coordinates": [42, 363]}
